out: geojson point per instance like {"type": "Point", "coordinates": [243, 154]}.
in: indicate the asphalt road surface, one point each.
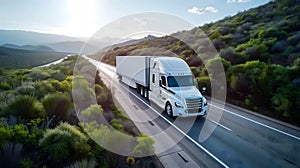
{"type": "Point", "coordinates": [239, 139]}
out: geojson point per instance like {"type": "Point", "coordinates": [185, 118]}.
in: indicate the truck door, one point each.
{"type": "Point", "coordinates": [162, 89]}
{"type": "Point", "coordinates": [155, 87]}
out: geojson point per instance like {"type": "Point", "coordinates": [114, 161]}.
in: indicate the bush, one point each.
{"type": "Point", "coordinates": [25, 90]}
{"type": "Point", "coordinates": [43, 88]}
{"type": "Point", "coordinates": [294, 39]}
{"type": "Point", "coordinates": [219, 44]}
{"type": "Point", "coordinates": [230, 55]}
{"type": "Point", "coordinates": [58, 105]}
{"type": "Point", "coordinates": [196, 71]}
{"type": "Point", "coordinates": [92, 113]}
{"type": "Point", "coordinates": [281, 104]}
{"type": "Point", "coordinates": [215, 35]}
{"type": "Point", "coordinates": [83, 95]}
{"type": "Point", "coordinates": [39, 74]}
{"type": "Point", "coordinates": [272, 32]}
{"type": "Point", "coordinates": [114, 123]}
{"type": "Point", "coordinates": [103, 95]}
{"type": "Point", "coordinates": [26, 107]}
{"type": "Point", "coordinates": [4, 86]}
{"type": "Point", "coordinates": [19, 134]}
{"type": "Point", "coordinates": [65, 142]}
{"type": "Point", "coordinates": [144, 146]}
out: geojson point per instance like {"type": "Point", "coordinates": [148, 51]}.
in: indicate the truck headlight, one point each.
{"type": "Point", "coordinates": [178, 105]}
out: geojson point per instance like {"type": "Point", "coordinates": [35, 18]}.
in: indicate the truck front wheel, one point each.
{"type": "Point", "coordinates": [169, 110]}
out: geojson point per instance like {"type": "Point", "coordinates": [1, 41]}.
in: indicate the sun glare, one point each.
{"type": "Point", "coordinates": [82, 17]}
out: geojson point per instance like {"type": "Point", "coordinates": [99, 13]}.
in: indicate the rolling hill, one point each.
{"type": "Point", "coordinates": [18, 58]}
{"type": "Point", "coordinates": [260, 51]}
{"type": "Point", "coordinates": [29, 47]}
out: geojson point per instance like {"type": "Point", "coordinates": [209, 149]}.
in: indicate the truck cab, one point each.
{"type": "Point", "coordinates": [172, 88]}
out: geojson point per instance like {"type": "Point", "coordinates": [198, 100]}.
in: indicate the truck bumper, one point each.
{"type": "Point", "coordinates": [183, 113]}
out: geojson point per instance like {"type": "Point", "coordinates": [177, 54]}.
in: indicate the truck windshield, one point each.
{"type": "Point", "coordinates": [180, 81]}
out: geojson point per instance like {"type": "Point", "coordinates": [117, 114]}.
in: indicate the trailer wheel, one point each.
{"type": "Point", "coordinates": [142, 91]}
{"type": "Point", "coordinates": [146, 93]}
{"type": "Point", "coordinates": [169, 110]}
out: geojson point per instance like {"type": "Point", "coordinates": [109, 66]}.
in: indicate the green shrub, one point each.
{"type": "Point", "coordinates": [83, 95]}
{"type": "Point", "coordinates": [144, 146]}
{"type": "Point", "coordinates": [114, 123]}
{"type": "Point", "coordinates": [65, 142]}
{"type": "Point", "coordinates": [92, 113]}
{"type": "Point", "coordinates": [26, 107]}
{"type": "Point", "coordinates": [58, 105]}
{"type": "Point", "coordinates": [4, 86]}
{"type": "Point", "coordinates": [39, 74]}
{"type": "Point", "coordinates": [215, 35]}
{"type": "Point", "coordinates": [196, 71]}
{"type": "Point", "coordinates": [43, 88]}
{"type": "Point", "coordinates": [26, 90]}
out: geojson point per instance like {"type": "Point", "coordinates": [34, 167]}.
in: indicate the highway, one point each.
{"type": "Point", "coordinates": [240, 139]}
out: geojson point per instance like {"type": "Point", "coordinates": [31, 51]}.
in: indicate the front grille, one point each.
{"type": "Point", "coordinates": [194, 105]}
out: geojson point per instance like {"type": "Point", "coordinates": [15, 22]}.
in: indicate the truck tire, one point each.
{"type": "Point", "coordinates": [142, 91]}
{"type": "Point", "coordinates": [145, 93]}
{"type": "Point", "coordinates": [169, 110]}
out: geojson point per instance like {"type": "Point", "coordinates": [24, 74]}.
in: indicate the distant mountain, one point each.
{"type": "Point", "coordinates": [19, 37]}
{"type": "Point", "coordinates": [76, 47]}
{"type": "Point", "coordinates": [16, 58]}
{"type": "Point", "coordinates": [29, 47]}
{"type": "Point", "coordinates": [28, 40]}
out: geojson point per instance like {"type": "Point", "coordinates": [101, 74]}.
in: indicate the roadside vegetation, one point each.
{"type": "Point", "coordinates": [40, 128]}
{"type": "Point", "coordinates": [260, 51]}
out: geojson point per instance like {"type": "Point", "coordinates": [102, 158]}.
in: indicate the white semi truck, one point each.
{"type": "Point", "coordinates": [166, 81]}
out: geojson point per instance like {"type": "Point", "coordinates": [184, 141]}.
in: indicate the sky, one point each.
{"type": "Point", "coordinates": [82, 18]}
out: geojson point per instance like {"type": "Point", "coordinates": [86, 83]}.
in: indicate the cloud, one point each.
{"type": "Point", "coordinates": [200, 11]}
{"type": "Point", "coordinates": [238, 1]}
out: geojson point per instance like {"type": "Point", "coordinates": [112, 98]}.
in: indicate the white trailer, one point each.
{"type": "Point", "coordinates": [166, 81]}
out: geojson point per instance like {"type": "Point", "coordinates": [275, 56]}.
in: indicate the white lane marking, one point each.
{"type": "Point", "coordinates": [256, 122]}
{"type": "Point", "coordinates": [182, 132]}
{"type": "Point", "coordinates": [228, 129]}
